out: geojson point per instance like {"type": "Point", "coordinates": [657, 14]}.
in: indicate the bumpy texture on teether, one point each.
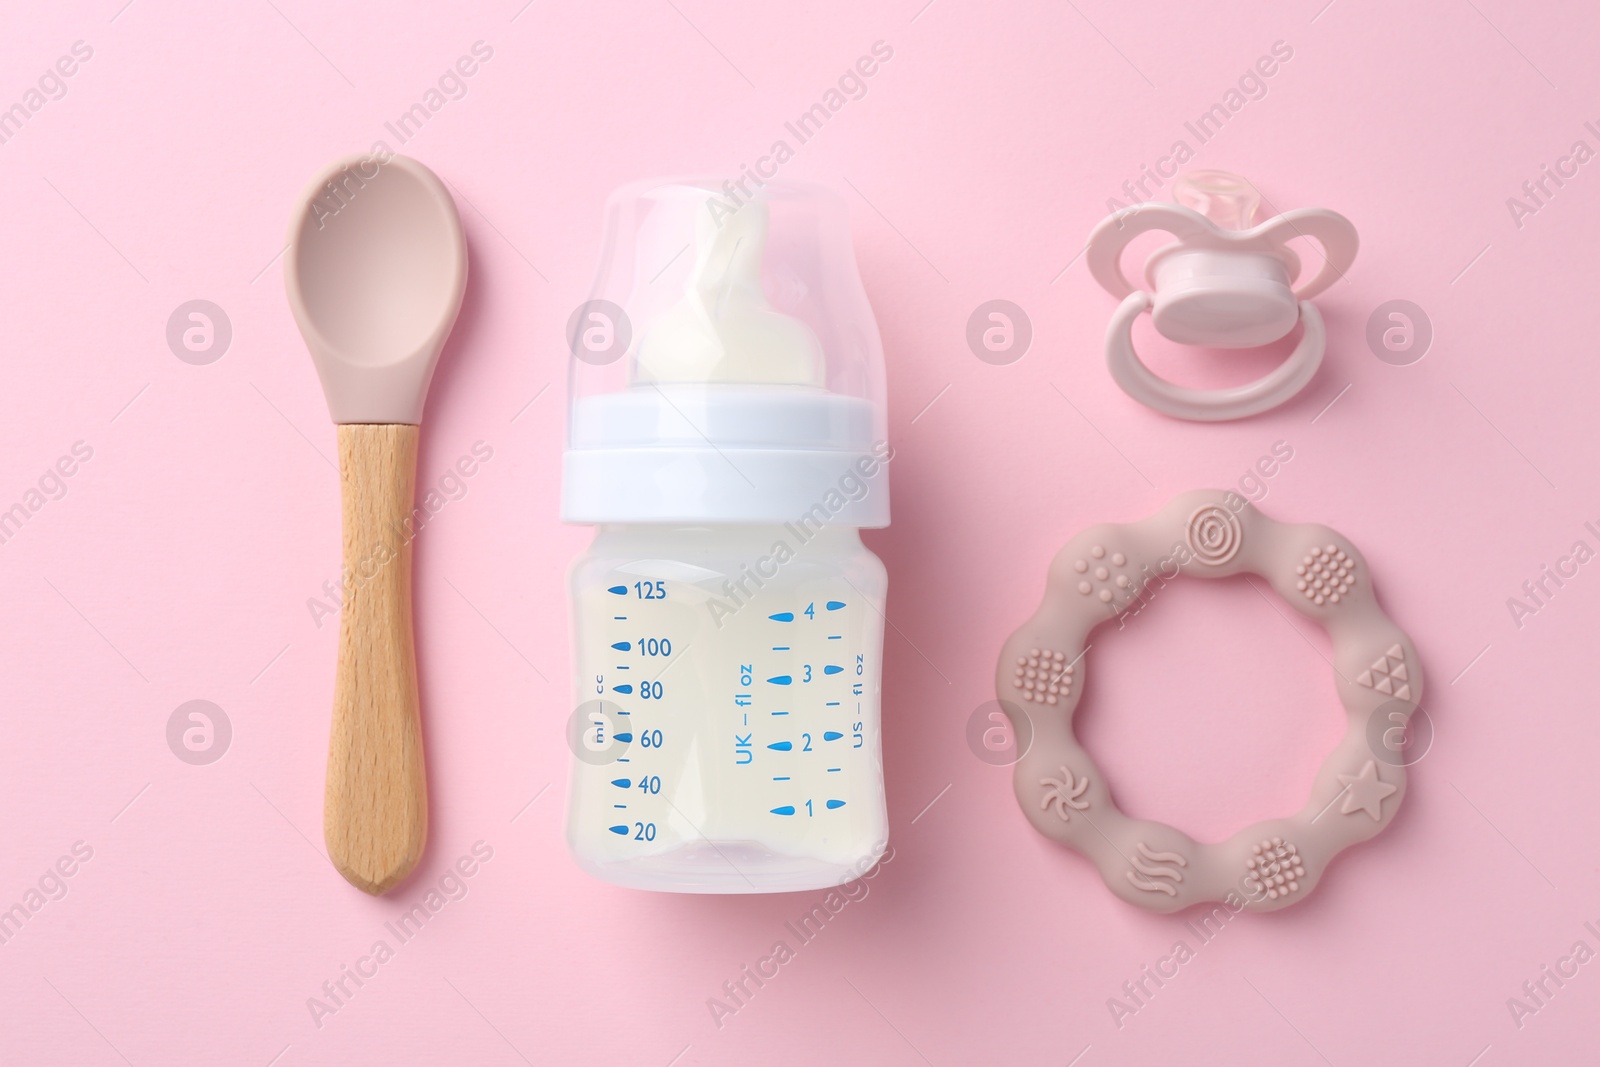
{"type": "Point", "coordinates": [1108, 570]}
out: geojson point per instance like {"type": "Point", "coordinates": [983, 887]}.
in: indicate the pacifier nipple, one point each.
{"type": "Point", "coordinates": [723, 329]}
{"type": "Point", "coordinates": [1226, 199]}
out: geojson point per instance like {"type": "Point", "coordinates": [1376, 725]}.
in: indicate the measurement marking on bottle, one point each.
{"type": "Point", "coordinates": [790, 809]}
{"type": "Point", "coordinates": [729, 688]}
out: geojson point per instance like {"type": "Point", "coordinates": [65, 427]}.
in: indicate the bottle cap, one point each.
{"type": "Point", "coordinates": [726, 366]}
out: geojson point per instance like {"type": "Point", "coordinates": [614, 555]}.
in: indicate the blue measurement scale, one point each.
{"type": "Point", "coordinates": [725, 730]}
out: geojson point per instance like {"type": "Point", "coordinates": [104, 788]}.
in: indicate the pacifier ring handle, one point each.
{"type": "Point", "coordinates": [1210, 405]}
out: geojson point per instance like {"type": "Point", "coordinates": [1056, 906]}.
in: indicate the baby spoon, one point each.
{"type": "Point", "coordinates": [375, 271]}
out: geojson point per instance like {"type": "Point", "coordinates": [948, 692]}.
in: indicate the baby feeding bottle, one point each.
{"type": "Point", "coordinates": [727, 439]}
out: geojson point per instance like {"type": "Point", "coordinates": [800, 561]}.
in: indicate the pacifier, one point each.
{"type": "Point", "coordinates": [1228, 282]}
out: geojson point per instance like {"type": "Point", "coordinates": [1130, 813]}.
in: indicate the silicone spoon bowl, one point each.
{"type": "Point", "coordinates": [375, 272]}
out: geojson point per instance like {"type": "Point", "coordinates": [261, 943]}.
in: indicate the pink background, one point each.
{"type": "Point", "coordinates": [179, 563]}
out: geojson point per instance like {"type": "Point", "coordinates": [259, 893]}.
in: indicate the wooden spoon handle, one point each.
{"type": "Point", "coordinates": [375, 814]}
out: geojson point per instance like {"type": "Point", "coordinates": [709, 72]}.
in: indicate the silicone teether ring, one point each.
{"type": "Point", "coordinates": [1107, 570]}
{"type": "Point", "coordinates": [1210, 405]}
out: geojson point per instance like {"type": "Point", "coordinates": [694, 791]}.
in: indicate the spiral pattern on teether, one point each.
{"type": "Point", "coordinates": [1214, 535]}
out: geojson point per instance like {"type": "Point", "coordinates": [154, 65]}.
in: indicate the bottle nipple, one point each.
{"type": "Point", "coordinates": [723, 329]}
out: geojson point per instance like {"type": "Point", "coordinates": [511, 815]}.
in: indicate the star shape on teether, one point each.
{"type": "Point", "coordinates": [1365, 791]}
